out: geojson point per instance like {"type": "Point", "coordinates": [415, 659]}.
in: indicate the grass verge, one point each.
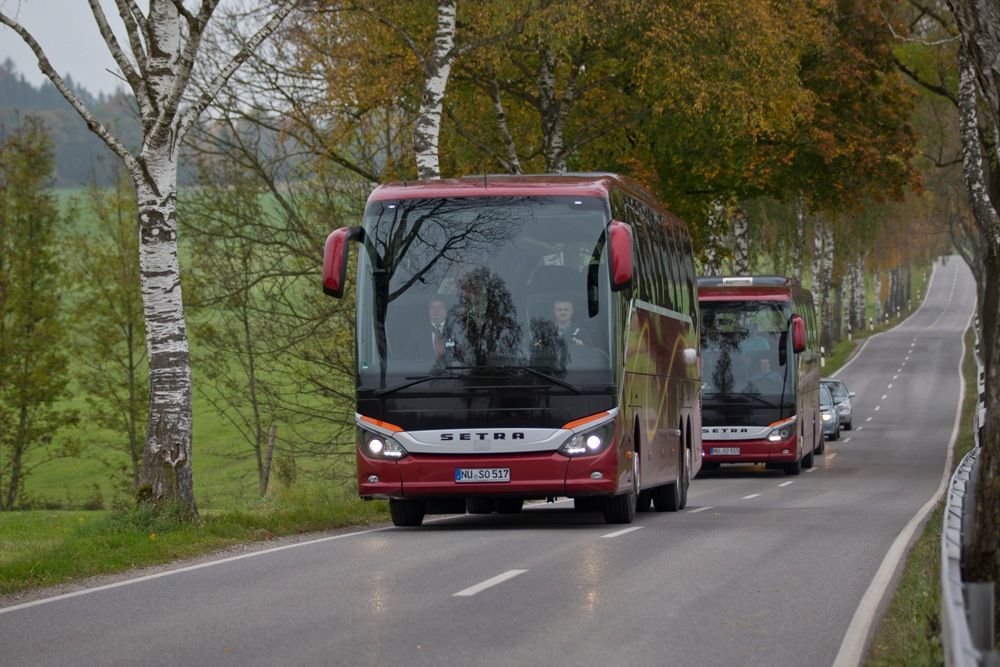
{"type": "Point", "coordinates": [910, 631]}
{"type": "Point", "coordinates": [46, 548]}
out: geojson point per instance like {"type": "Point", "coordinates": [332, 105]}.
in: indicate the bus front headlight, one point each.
{"type": "Point", "coordinates": [782, 430]}
{"type": "Point", "coordinates": [378, 446]}
{"type": "Point", "coordinates": [591, 441]}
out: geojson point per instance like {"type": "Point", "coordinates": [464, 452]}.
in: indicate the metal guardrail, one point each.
{"type": "Point", "coordinates": [966, 607]}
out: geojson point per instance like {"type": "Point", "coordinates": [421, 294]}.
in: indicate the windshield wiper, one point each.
{"type": "Point", "coordinates": [551, 378]}
{"type": "Point", "coordinates": [750, 396]}
{"type": "Point", "coordinates": [413, 381]}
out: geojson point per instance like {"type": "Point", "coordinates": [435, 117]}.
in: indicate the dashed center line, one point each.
{"type": "Point", "coordinates": [752, 495]}
{"type": "Point", "coordinates": [884, 395]}
{"type": "Point", "coordinates": [868, 419]}
{"type": "Point", "coordinates": [622, 531]}
{"type": "Point", "coordinates": [877, 408]}
{"type": "Point", "coordinates": [890, 386]}
{"type": "Point", "coordinates": [832, 455]}
{"type": "Point", "coordinates": [482, 586]}
{"type": "Point", "coordinates": [786, 483]}
{"type": "Point", "coordinates": [699, 509]}
{"type": "Point", "coordinates": [812, 470]}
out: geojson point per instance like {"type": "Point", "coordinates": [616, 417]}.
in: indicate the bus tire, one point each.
{"type": "Point", "coordinates": [809, 460]}
{"type": "Point", "coordinates": [821, 447]}
{"type": "Point", "coordinates": [406, 512]}
{"type": "Point", "coordinates": [508, 505]}
{"type": "Point", "coordinates": [479, 505]}
{"type": "Point", "coordinates": [685, 477]}
{"type": "Point", "coordinates": [794, 468]}
{"type": "Point", "coordinates": [643, 501]}
{"type": "Point", "coordinates": [670, 497]}
{"type": "Point", "coordinates": [621, 508]}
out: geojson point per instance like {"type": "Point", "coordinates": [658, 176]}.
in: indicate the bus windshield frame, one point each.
{"type": "Point", "coordinates": [496, 266]}
{"type": "Point", "coordinates": [748, 367]}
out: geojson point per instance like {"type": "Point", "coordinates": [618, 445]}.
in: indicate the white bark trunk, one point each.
{"type": "Point", "coordinates": [437, 70]}
{"type": "Point", "coordinates": [799, 239]}
{"type": "Point", "coordinates": [715, 240]}
{"type": "Point", "coordinates": [877, 290]}
{"type": "Point", "coordinates": [165, 46]}
{"type": "Point", "coordinates": [741, 241]}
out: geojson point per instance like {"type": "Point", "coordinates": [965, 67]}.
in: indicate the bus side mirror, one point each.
{"type": "Point", "coordinates": [335, 255]}
{"type": "Point", "coordinates": [620, 255]}
{"type": "Point", "coordinates": [798, 334]}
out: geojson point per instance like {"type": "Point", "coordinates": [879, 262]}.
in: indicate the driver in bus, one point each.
{"type": "Point", "coordinates": [765, 373]}
{"type": "Point", "coordinates": [562, 313]}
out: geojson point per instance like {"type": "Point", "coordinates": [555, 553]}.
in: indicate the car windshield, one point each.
{"type": "Point", "coordinates": [825, 399]}
{"type": "Point", "coordinates": [837, 389]}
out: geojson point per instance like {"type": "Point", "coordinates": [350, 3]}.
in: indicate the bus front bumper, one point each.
{"type": "Point", "coordinates": [749, 451]}
{"type": "Point", "coordinates": [531, 475]}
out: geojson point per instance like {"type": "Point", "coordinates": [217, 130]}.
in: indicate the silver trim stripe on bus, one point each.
{"type": "Point", "coordinates": [665, 312]}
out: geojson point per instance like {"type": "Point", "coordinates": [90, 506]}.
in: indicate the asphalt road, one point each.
{"type": "Point", "coordinates": [761, 569]}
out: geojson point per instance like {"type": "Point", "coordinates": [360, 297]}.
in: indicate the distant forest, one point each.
{"type": "Point", "coordinates": [81, 157]}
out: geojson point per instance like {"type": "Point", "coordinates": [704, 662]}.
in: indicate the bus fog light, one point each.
{"type": "Point", "coordinates": [372, 479]}
{"type": "Point", "coordinates": [597, 475]}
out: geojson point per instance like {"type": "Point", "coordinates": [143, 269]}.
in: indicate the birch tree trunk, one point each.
{"type": "Point", "coordinates": [979, 60]}
{"type": "Point", "coordinates": [715, 241]}
{"type": "Point", "coordinates": [741, 242]}
{"type": "Point", "coordinates": [799, 240]}
{"type": "Point", "coordinates": [827, 282]}
{"type": "Point", "coordinates": [877, 289]}
{"type": "Point", "coordinates": [437, 69]}
{"type": "Point", "coordinates": [164, 47]}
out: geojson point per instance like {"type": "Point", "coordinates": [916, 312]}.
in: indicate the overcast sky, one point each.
{"type": "Point", "coordinates": [66, 31]}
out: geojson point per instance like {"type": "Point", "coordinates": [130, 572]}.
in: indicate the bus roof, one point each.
{"type": "Point", "coordinates": [760, 288]}
{"type": "Point", "coordinates": [597, 184]}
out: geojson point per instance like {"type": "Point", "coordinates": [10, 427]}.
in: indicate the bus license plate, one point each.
{"type": "Point", "coordinates": [724, 451]}
{"type": "Point", "coordinates": [482, 475]}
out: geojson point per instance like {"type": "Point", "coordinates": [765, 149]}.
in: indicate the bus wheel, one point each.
{"type": "Point", "coordinates": [621, 509]}
{"type": "Point", "coordinates": [509, 505]}
{"type": "Point", "coordinates": [405, 512]}
{"type": "Point", "coordinates": [809, 459]}
{"type": "Point", "coordinates": [685, 477]}
{"type": "Point", "coordinates": [669, 497]}
{"type": "Point", "coordinates": [794, 468]}
{"type": "Point", "coordinates": [478, 505]}
{"type": "Point", "coordinates": [644, 501]}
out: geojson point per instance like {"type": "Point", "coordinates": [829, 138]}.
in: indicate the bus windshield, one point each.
{"type": "Point", "coordinates": [745, 352]}
{"type": "Point", "coordinates": [465, 286]}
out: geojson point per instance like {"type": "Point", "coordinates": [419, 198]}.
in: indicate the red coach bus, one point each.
{"type": "Point", "coordinates": [760, 373]}
{"type": "Point", "coordinates": [563, 356]}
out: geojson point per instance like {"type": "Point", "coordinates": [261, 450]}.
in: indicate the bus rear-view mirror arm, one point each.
{"type": "Point", "coordinates": [335, 256]}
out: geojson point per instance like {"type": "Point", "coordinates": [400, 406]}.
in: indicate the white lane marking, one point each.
{"type": "Point", "coordinates": [832, 455]}
{"type": "Point", "coordinates": [899, 370]}
{"type": "Point", "coordinates": [489, 583]}
{"type": "Point", "coordinates": [906, 358]}
{"type": "Point", "coordinates": [699, 509]}
{"type": "Point", "coordinates": [868, 419]}
{"type": "Point", "coordinates": [853, 645]}
{"type": "Point", "coordinates": [885, 395]}
{"type": "Point", "coordinates": [190, 568]}
{"type": "Point", "coordinates": [860, 428]}
{"type": "Point", "coordinates": [812, 470]}
{"type": "Point", "coordinates": [877, 408]}
{"type": "Point", "coordinates": [890, 386]}
{"type": "Point", "coordinates": [786, 483]}
{"type": "Point", "coordinates": [847, 439]}
{"type": "Point", "coordinates": [752, 495]}
{"type": "Point", "coordinates": [622, 531]}
{"type": "Point", "coordinates": [895, 377]}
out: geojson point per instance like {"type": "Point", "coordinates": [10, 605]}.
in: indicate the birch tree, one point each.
{"type": "Point", "coordinates": [164, 45]}
{"type": "Point", "coordinates": [979, 80]}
